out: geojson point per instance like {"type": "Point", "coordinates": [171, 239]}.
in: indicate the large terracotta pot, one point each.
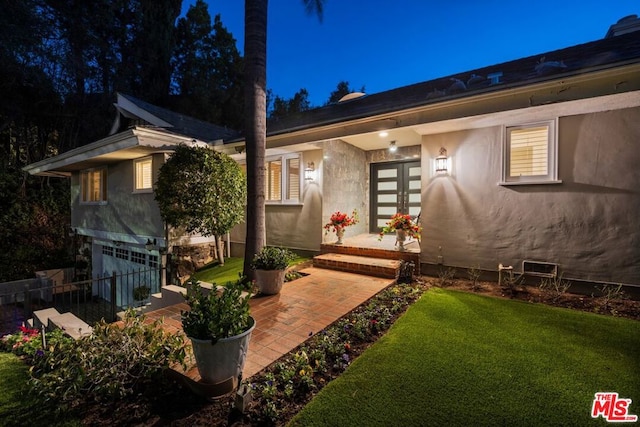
{"type": "Point", "coordinates": [269, 281]}
{"type": "Point", "coordinates": [223, 360]}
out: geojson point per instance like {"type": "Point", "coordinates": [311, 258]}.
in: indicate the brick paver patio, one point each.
{"type": "Point", "coordinates": [303, 307]}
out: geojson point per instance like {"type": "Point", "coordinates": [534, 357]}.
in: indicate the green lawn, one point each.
{"type": "Point", "coordinates": [229, 272]}
{"type": "Point", "coordinates": [17, 407]}
{"type": "Point", "coordinates": [220, 274]}
{"type": "Point", "coordinates": [459, 359]}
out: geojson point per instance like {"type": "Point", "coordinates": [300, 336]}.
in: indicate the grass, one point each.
{"type": "Point", "coordinates": [221, 274]}
{"type": "Point", "coordinates": [460, 359]}
{"type": "Point", "coordinates": [229, 272]}
{"type": "Point", "coordinates": [17, 406]}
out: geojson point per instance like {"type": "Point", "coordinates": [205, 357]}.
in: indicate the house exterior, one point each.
{"type": "Point", "coordinates": [113, 210]}
{"type": "Point", "coordinates": [538, 167]}
{"type": "Point", "coordinates": [541, 155]}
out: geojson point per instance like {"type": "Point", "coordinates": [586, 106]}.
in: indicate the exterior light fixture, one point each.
{"type": "Point", "coordinates": [72, 232]}
{"type": "Point", "coordinates": [442, 161]}
{"type": "Point", "coordinates": [383, 134]}
{"type": "Point", "coordinates": [310, 172]}
{"type": "Point", "coordinates": [393, 147]}
{"type": "Point", "coordinates": [150, 244]}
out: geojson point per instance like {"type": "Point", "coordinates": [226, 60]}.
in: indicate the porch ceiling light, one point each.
{"type": "Point", "coordinates": [310, 172]}
{"type": "Point", "coordinates": [442, 161]}
{"type": "Point", "coordinates": [383, 134]}
{"type": "Point", "coordinates": [393, 147]}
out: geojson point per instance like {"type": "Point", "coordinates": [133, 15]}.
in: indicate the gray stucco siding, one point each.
{"type": "Point", "coordinates": [589, 224]}
{"type": "Point", "coordinates": [124, 212]}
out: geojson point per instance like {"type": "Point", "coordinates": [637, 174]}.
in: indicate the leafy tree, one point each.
{"type": "Point", "coordinates": [341, 90]}
{"type": "Point", "coordinates": [282, 107]}
{"type": "Point", "coordinates": [255, 115]}
{"type": "Point", "coordinates": [203, 191]}
{"type": "Point", "coordinates": [207, 77]}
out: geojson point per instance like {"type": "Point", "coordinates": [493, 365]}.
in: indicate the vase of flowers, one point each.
{"type": "Point", "coordinates": [405, 228]}
{"type": "Point", "coordinates": [338, 222]}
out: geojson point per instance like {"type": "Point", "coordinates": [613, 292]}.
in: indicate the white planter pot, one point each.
{"type": "Point", "coordinates": [269, 281]}
{"type": "Point", "coordinates": [223, 360]}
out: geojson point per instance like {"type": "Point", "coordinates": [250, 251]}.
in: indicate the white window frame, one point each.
{"type": "Point", "coordinates": [143, 189]}
{"type": "Point", "coordinates": [551, 177]}
{"type": "Point", "coordinates": [86, 196]}
{"type": "Point", "coordinates": [284, 178]}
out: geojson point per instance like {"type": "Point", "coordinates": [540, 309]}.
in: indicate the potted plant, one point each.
{"type": "Point", "coordinates": [270, 265]}
{"type": "Point", "coordinates": [339, 221]}
{"type": "Point", "coordinates": [404, 226]}
{"type": "Point", "coordinates": [141, 293]}
{"type": "Point", "coordinates": [219, 326]}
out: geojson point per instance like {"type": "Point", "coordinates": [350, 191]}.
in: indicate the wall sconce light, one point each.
{"type": "Point", "coordinates": [310, 172]}
{"type": "Point", "coordinates": [442, 161]}
{"type": "Point", "coordinates": [150, 244]}
{"type": "Point", "coordinates": [117, 242]}
{"type": "Point", "coordinates": [72, 232]}
{"type": "Point", "coordinates": [393, 147]}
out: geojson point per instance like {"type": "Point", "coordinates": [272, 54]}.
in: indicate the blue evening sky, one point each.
{"type": "Point", "coordinates": [384, 44]}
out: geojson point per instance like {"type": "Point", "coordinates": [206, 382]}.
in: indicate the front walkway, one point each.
{"type": "Point", "coordinates": [303, 307]}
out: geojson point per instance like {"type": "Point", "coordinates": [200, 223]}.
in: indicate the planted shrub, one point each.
{"type": "Point", "coordinates": [110, 364]}
{"type": "Point", "coordinates": [555, 287]}
{"type": "Point", "coordinates": [272, 258]}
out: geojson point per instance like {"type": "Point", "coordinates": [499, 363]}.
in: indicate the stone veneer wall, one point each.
{"type": "Point", "coordinates": [344, 184]}
{"type": "Point", "coordinates": [185, 260]}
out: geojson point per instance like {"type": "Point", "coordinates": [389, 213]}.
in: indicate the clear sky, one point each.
{"type": "Point", "coordinates": [384, 44]}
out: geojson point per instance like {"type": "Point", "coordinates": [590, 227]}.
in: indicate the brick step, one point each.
{"type": "Point", "coordinates": [378, 267]}
{"type": "Point", "coordinates": [411, 254]}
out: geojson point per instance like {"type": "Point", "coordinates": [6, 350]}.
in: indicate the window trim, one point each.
{"type": "Point", "coordinates": [135, 174]}
{"type": "Point", "coordinates": [552, 155]}
{"type": "Point", "coordinates": [103, 186]}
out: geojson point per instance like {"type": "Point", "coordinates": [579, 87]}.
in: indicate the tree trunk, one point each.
{"type": "Point", "coordinates": [255, 116]}
{"type": "Point", "coordinates": [220, 249]}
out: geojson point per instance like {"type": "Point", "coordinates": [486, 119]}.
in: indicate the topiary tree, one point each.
{"type": "Point", "coordinates": [203, 191]}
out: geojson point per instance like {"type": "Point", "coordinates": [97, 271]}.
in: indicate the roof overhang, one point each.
{"type": "Point", "coordinates": [592, 91]}
{"type": "Point", "coordinates": [130, 144]}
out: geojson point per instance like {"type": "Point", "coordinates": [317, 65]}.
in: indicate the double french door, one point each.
{"type": "Point", "coordinates": [395, 187]}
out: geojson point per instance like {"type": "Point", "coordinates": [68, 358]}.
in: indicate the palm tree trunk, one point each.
{"type": "Point", "coordinates": [255, 115]}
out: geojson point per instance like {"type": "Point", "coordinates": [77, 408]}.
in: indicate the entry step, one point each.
{"type": "Point", "coordinates": [358, 264]}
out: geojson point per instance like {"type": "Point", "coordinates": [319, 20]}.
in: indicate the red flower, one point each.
{"type": "Point", "coordinates": [402, 222]}
{"type": "Point", "coordinates": [340, 220]}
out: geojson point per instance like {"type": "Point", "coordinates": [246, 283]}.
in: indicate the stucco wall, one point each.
{"type": "Point", "coordinates": [296, 226]}
{"type": "Point", "coordinates": [589, 223]}
{"type": "Point", "coordinates": [124, 212]}
{"type": "Point", "coordinates": [345, 184]}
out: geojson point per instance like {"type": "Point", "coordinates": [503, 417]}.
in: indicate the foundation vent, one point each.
{"type": "Point", "coordinates": [541, 269]}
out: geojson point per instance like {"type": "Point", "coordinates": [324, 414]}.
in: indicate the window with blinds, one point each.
{"type": "Point", "coordinates": [93, 186]}
{"type": "Point", "coordinates": [274, 180]}
{"type": "Point", "coordinates": [530, 153]}
{"type": "Point", "coordinates": [283, 183]}
{"type": "Point", "coordinates": [293, 179]}
{"type": "Point", "coordinates": [143, 179]}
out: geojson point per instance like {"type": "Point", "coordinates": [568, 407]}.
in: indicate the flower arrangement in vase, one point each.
{"type": "Point", "coordinates": [404, 226]}
{"type": "Point", "coordinates": [339, 221]}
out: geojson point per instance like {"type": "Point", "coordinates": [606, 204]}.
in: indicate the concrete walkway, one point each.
{"type": "Point", "coordinates": [303, 307]}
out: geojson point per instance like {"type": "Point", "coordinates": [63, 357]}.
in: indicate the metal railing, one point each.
{"type": "Point", "coordinates": [91, 300]}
